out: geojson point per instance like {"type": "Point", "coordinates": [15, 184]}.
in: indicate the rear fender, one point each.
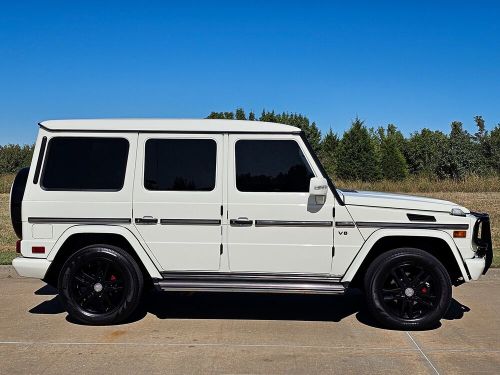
{"type": "Point", "coordinates": [147, 260]}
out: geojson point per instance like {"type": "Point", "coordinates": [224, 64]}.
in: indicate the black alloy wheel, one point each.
{"type": "Point", "coordinates": [407, 288]}
{"type": "Point", "coordinates": [100, 284]}
{"type": "Point", "coordinates": [409, 291]}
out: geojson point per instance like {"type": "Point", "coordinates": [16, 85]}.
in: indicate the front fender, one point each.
{"type": "Point", "coordinates": [382, 233]}
{"type": "Point", "coordinates": [147, 259]}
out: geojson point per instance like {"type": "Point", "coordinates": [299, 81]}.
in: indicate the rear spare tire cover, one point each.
{"type": "Point", "coordinates": [16, 200]}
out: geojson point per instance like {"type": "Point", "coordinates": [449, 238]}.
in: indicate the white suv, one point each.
{"type": "Point", "coordinates": [109, 207]}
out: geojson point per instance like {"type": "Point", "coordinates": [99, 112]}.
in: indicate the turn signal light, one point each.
{"type": "Point", "coordinates": [459, 233]}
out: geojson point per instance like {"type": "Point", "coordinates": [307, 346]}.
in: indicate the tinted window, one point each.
{"type": "Point", "coordinates": [85, 163]}
{"type": "Point", "coordinates": [180, 164]}
{"type": "Point", "coordinates": [271, 166]}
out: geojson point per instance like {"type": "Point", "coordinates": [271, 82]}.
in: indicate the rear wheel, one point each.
{"type": "Point", "coordinates": [100, 284]}
{"type": "Point", "coordinates": [407, 288]}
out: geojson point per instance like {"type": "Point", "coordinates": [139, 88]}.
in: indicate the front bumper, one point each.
{"type": "Point", "coordinates": [481, 236]}
{"type": "Point", "coordinates": [31, 267]}
{"type": "Point", "coordinates": [476, 267]}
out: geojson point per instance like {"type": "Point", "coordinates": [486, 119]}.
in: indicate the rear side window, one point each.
{"type": "Point", "coordinates": [180, 164]}
{"type": "Point", "coordinates": [271, 166]}
{"type": "Point", "coordinates": [85, 163]}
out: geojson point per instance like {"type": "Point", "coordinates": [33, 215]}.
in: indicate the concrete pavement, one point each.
{"type": "Point", "coordinates": [244, 334]}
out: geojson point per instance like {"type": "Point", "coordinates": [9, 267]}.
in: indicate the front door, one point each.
{"type": "Point", "coordinates": [274, 224]}
{"type": "Point", "coordinates": [177, 199]}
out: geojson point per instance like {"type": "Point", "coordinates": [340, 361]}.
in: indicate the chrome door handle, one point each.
{"type": "Point", "coordinates": [241, 221]}
{"type": "Point", "coordinates": [146, 220]}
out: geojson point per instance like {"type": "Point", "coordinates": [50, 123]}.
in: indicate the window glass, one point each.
{"type": "Point", "coordinates": [85, 163]}
{"type": "Point", "coordinates": [180, 164]}
{"type": "Point", "coordinates": [271, 166]}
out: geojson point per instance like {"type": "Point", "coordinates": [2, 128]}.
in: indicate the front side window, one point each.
{"type": "Point", "coordinates": [180, 164]}
{"type": "Point", "coordinates": [85, 163]}
{"type": "Point", "coordinates": [271, 166]}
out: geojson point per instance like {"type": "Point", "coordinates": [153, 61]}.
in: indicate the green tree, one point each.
{"type": "Point", "coordinates": [460, 154]}
{"type": "Point", "coordinates": [221, 115]}
{"type": "Point", "coordinates": [357, 157]}
{"type": "Point", "coordinates": [494, 160]}
{"type": "Point", "coordinates": [423, 150]}
{"type": "Point", "coordinates": [15, 157]}
{"type": "Point", "coordinates": [251, 116]}
{"type": "Point", "coordinates": [393, 162]}
{"type": "Point", "coordinates": [328, 152]}
{"type": "Point", "coordinates": [240, 114]}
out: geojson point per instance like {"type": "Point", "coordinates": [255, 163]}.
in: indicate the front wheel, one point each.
{"type": "Point", "coordinates": [407, 288]}
{"type": "Point", "coordinates": [100, 284]}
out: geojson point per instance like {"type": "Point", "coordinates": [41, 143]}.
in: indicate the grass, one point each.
{"type": "Point", "coordinates": [6, 182]}
{"type": "Point", "coordinates": [420, 184]}
{"type": "Point", "coordinates": [7, 235]}
{"type": "Point", "coordinates": [482, 201]}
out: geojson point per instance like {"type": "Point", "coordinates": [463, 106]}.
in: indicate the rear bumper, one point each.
{"type": "Point", "coordinates": [476, 267]}
{"type": "Point", "coordinates": [31, 267]}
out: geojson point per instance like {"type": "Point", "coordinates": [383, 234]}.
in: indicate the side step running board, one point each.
{"type": "Point", "coordinates": [249, 283]}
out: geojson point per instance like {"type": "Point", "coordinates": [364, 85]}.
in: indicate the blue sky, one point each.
{"type": "Point", "coordinates": [413, 63]}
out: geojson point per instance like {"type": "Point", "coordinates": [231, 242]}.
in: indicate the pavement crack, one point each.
{"type": "Point", "coordinates": [422, 352]}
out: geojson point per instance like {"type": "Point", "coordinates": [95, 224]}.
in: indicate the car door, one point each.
{"type": "Point", "coordinates": [274, 224]}
{"type": "Point", "coordinates": [177, 199]}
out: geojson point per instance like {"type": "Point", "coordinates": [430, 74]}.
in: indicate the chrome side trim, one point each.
{"type": "Point", "coordinates": [382, 224]}
{"type": "Point", "coordinates": [289, 223]}
{"type": "Point", "coordinates": [190, 222]}
{"type": "Point", "coordinates": [72, 220]}
{"type": "Point", "coordinates": [250, 282]}
{"type": "Point", "coordinates": [210, 275]}
{"type": "Point", "coordinates": [249, 287]}
{"type": "Point", "coordinates": [345, 224]}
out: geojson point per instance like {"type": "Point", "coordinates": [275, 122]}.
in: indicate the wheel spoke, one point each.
{"type": "Point", "coordinates": [403, 307]}
{"type": "Point", "coordinates": [424, 302]}
{"type": "Point", "coordinates": [416, 279]}
{"type": "Point", "coordinates": [424, 280]}
{"type": "Point", "coordinates": [410, 309]}
{"type": "Point", "coordinates": [404, 277]}
{"type": "Point", "coordinates": [397, 279]}
{"type": "Point", "coordinates": [83, 280]}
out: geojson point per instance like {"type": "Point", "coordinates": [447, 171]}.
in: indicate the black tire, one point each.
{"type": "Point", "coordinates": [100, 284]}
{"type": "Point", "coordinates": [407, 289]}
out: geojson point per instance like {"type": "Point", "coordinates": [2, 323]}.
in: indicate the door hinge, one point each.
{"type": "Point", "coordinates": [221, 210]}
{"type": "Point", "coordinates": [333, 251]}
{"type": "Point", "coordinates": [333, 211]}
{"type": "Point", "coordinates": [220, 249]}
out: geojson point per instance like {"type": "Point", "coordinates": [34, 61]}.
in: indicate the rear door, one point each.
{"type": "Point", "coordinates": [274, 224]}
{"type": "Point", "coordinates": [178, 195]}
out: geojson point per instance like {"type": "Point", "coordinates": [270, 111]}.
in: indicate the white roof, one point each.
{"type": "Point", "coordinates": [167, 125]}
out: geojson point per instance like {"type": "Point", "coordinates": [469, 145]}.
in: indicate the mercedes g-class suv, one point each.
{"type": "Point", "coordinates": [110, 207]}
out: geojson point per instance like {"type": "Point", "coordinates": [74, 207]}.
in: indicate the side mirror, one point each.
{"type": "Point", "coordinates": [318, 187]}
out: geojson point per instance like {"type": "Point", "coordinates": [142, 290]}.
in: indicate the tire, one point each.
{"type": "Point", "coordinates": [16, 200]}
{"type": "Point", "coordinates": [407, 289]}
{"type": "Point", "coordinates": [100, 284]}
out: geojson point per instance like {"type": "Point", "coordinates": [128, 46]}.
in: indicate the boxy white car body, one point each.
{"type": "Point", "coordinates": [323, 233]}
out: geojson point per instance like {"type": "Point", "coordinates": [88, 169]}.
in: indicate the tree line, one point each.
{"type": "Point", "coordinates": [363, 153]}
{"type": "Point", "coordinates": [371, 154]}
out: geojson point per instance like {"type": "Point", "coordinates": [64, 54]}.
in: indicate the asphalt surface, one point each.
{"type": "Point", "coordinates": [244, 334]}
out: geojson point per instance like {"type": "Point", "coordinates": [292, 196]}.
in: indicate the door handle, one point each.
{"type": "Point", "coordinates": [241, 221]}
{"type": "Point", "coordinates": [146, 220]}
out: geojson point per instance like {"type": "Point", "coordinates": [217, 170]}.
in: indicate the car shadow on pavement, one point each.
{"type": "Point", "coordinates": [455, 311]}
{"type": "Point", "coordinates": [253, 306]}
{"type": "Point", "coordinates": [248, 306]}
